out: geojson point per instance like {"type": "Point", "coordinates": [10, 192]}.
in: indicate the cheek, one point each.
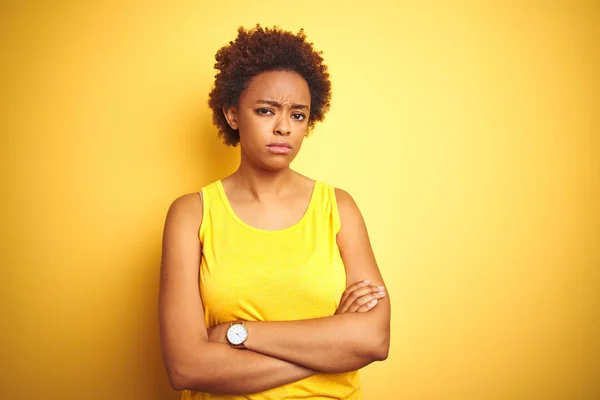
{"type": "Point", "coordinates": [299, 139]}
{"type": "Point", "coordinates": [251, 128]}
{"type": "Point", "coordinates": [302, 131]}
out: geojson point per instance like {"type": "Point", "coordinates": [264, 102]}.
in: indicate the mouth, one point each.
{"type": "Point", "coordinates": [279, 145]}
{"type": "Point", "coordinates": [279, 148]}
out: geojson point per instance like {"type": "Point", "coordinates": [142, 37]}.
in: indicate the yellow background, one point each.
{"type": "Point", "coordinates": [468, 133]}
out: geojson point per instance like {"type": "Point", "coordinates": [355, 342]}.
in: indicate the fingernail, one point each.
{"type": "Point", "coordinates": [374, 301]}
{"type": "Point", "coordinates": [366, 282]}
{"type": "Point", "coordinates": [380, 288]}
{"type": "Point", "coordinates": [381, 293]}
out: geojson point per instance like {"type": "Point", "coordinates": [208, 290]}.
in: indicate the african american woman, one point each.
{"type": "Point", "coordinates": [269, 286]}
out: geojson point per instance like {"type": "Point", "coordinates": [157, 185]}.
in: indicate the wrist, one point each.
{"type": "Point", "coordinates": [222, 333]}
{"type": "Point", "coordinates": [249, 327]}
{"type": "Point", "coordinates": [237, 334]}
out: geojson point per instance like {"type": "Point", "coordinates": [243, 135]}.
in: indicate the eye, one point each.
{"type": "Point", "coordinates": [298, 116]}
{"type": "Point", "coordinates": [264, 111]}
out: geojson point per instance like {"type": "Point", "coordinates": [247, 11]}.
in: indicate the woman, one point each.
{"type": "Point", "coordinates": [269, 286]}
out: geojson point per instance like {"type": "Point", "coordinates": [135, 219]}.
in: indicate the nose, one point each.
{"type": "Point", "coordinates": [283, 126]}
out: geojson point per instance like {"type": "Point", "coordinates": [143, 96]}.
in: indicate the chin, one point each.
{"type": "Point", "coordinates": [276, 165]}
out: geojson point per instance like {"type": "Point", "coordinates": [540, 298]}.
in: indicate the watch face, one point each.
{"type": "Point", "coordinates": [236, 334]}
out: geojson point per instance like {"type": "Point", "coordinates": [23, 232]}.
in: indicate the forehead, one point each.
{"type": "Point", "coordinates": [280, 86]}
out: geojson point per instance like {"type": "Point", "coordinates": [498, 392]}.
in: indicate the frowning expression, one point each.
{"type": "Point", "coordinates": [272, 118]}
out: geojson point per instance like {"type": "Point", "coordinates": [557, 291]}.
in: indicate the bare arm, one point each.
{"type": "Point", "coordinates": [339, 343]}
{"type": "Point", "coordinates": [192, 361]}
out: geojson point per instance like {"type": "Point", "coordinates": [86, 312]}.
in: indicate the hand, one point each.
{"type": "Point", "coordinates": [360, 297]}
{"type": "Point", "coordinates": [218, 333]}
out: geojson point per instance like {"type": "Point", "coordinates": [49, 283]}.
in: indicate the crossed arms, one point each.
{"type": "Point", "coordinates": [278, 353]}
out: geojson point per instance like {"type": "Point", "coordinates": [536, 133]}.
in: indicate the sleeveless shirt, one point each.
{"type": "Point", "coordinates": [260, 275]}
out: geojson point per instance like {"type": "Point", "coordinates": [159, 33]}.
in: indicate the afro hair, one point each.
{"type": "Point", "coordinates": [260, 50]}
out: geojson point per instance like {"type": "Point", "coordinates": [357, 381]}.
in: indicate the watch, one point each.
{"type": "Point", "coordinates": [237, 334]}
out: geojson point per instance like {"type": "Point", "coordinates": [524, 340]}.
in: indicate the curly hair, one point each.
{"type": "Point", "coordinates": [260, 50]}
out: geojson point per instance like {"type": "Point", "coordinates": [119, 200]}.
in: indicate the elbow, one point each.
{"type": "Point", "coordinates": [382, 353]}
{"type": "Point", "coordinates": [177, 377]}
{"type": "Point", "coordinates": [381, 349]}
{"type": "Point", "coordinates": [177, 383]}
{"type": "Point", "coordinates": [182, 377]}
{"type": "Point", "coordinates": [175, 380]}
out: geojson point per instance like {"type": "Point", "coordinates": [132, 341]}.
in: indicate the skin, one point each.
{"type": "Point", "coordinates": [265, 193]}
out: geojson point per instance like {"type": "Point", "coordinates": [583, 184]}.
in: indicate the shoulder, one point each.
{"type": "Point", "coordinates": [186, 209]}
{"type": "Point", "coordinates": [352, 238]}
{"type": "Point", "coordinates": [345, 202]}
{"type": "Point", "coordinates": [343, 198]}
{"type": "Point", "coordinates": [350, 217]}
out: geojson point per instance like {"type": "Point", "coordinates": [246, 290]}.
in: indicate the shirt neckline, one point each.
{"type": "Point", "coordinates": [232, 213]}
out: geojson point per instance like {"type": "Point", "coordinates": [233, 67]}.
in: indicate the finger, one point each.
{"type": "Point", "coordinates": [353, 287]}
{"type": "Point", "coordinates": [358, 303]}
{"type": "Point", "coordinates": [352, 296]}
{"type": "Point", "coordinates": [354, 292]}
{"type": "Point", "coordinates": [353, 306]}
{"type": "Point", "coordinates": [367, 307]}
{"type": "Point", "coordinates": [359, 285]}
{"type": "Point", "coordinates": [362, 291]}
{"type": "Point", "coordinates": [361, 302]}
{"type": "Point", "coordinates": [348, 292]}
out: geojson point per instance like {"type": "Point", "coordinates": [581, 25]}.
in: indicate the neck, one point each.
{"type": "Point", "coordinates": [260, 183]}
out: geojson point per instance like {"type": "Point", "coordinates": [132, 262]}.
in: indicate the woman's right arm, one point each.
{"type": "Point", "coordinates": [191, 360]}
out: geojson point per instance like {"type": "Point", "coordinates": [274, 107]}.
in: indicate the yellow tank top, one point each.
{"type": "Point", "coordinates": [289, 274]}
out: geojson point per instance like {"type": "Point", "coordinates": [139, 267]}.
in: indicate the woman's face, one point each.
{"type": "Point", "coordinates": [272, 118]}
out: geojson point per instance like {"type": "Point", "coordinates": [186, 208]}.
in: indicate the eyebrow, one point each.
{"type": "Point", "coordinates": [277, 104]}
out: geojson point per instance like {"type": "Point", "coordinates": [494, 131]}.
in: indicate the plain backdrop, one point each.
{"type": "Point", "coordinates": [467, 132]}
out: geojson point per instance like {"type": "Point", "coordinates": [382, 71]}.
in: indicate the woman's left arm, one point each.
{"type": "Point", "coordinates": [342, 342]}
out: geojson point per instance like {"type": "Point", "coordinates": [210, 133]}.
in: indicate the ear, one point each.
{"type": "Point", "coordinates": [230, 114]}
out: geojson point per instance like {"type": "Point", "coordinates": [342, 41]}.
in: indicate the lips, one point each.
{"type": "Point", "coordinates": [279, 145]}
{"type": "Point", "coordinates": [279, 148]}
